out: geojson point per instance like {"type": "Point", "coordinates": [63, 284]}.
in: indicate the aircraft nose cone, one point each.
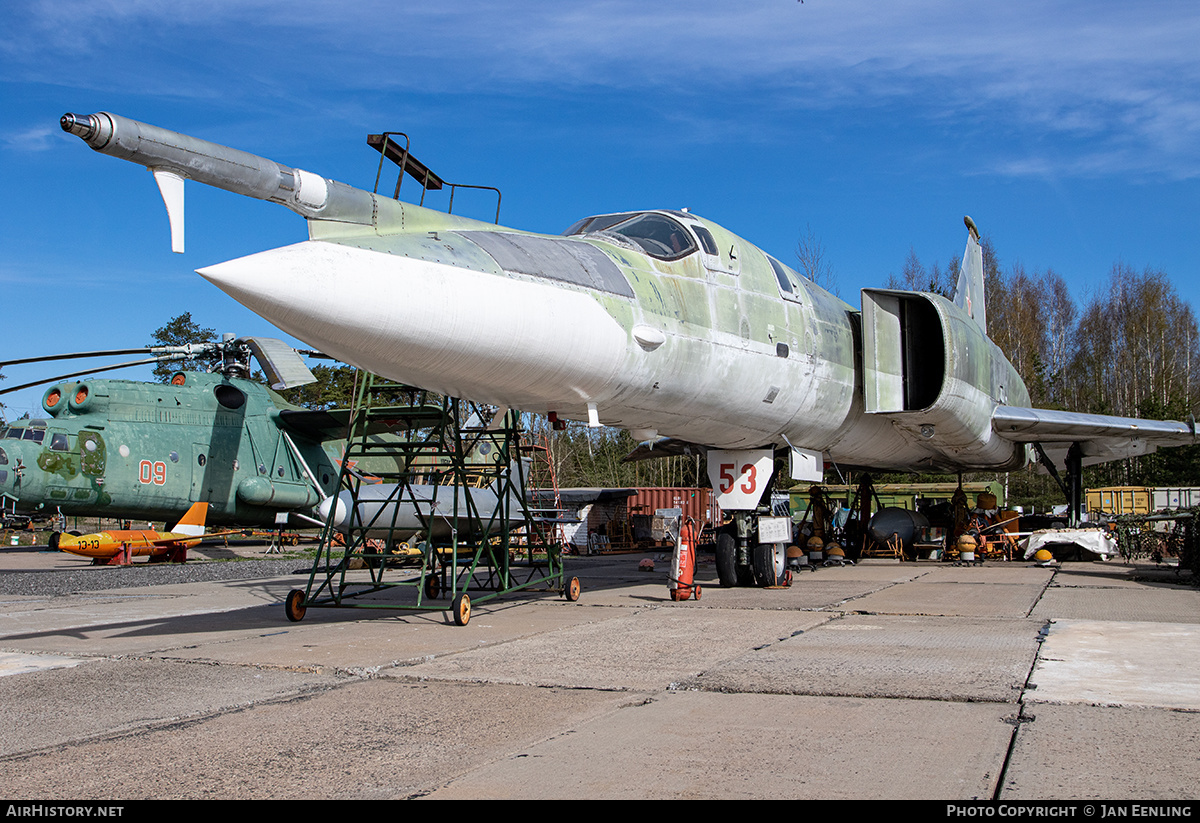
{"type": "Point", "coordinates": [449, 328]}
{"type": "Point", "coordinates": [264, 283]}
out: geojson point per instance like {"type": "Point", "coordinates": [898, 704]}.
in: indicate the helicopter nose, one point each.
{"type": "Point", "coordinates": [20, 476]}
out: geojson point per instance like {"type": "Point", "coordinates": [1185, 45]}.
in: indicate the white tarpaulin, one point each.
{"type": "Point", "coordinates": [1094, 540]}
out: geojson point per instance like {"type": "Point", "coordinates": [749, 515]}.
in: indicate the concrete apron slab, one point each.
{"type": "Point", "coordinates": [379, 641]}
{"type": "Point", "coordinates": [17, 663]}
{"type": "Point", "coordinates": [102, 697]}
{"type": "Point", "coordinates": [144, 620]}
{"type": "Point", "coordinates": [363, 739]}
{"type": "Point", "coordinates": [1109, 573]}
{"type": "Point", "coordinates": [808, 591]}
{"type": "Point", "coordinates": [968, 591]}
{"type": "Point", "coordinates": [643, 651]}
{"type": "Point", "coordinates": [889, 656]}
{"type": "Point", "coordinates": [686, 745]}
{"type": "Point", "coordinates": [1166, 604]}
{"type": "Point", "coordinates": [1118, 664]}
{"type": "Point", "coordinates": [992, 572]}
{"type": "Point", "coordinates": [1103, 753]}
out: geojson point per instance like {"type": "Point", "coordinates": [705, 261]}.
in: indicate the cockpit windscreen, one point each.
{"type": "Point", "coordinates": [655, 234]}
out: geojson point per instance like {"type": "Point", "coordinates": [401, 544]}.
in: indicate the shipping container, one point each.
{"type": "Point", "coordinates": [1117, 500]}
{"type": "Point", "coordinates": [697, 504]}
{"type": "Point", "coordinates": [1166, 497]}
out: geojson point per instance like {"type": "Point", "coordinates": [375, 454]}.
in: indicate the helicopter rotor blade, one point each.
{"type": "Point", "coordinates": [190, 350]}
{"type": "Point", "coordinates": [280, 363]}
{"type": "Point", "coordinates": [163, 359]}
{"type": "Point", "coordinates": [48, 358]}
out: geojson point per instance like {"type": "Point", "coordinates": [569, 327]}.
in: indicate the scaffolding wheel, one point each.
{"type": "Point", "coordinates": [294, 605]}
{"type": "Point", "coordinates": [462, 609]}
{"type": "Point", "coordinates": [433, 586]}
{"type": "Point", "coordinates": [571, 592]}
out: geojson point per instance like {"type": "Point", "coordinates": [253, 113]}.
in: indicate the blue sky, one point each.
{"type": "Point", "coordinates": [1070, 132]}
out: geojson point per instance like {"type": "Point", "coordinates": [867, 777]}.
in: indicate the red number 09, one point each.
{"type": "Point", "coordinates": [155, 472]}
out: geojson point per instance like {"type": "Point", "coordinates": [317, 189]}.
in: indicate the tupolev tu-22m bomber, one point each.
{"type": "Point", "coordinates": [659, 322]}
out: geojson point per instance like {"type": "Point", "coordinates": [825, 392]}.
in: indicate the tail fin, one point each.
{"type": "Point", "coordinates": [192, 523]}
{"type": "Point", "coordinates": [968, 295]}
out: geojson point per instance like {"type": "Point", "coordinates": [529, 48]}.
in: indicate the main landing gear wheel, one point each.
{"type": "Point", "coordinates": [571, 592]}
{"type": "Point", "coordinates": [770, 565]}
{"type": "Point", "coordinates": [726, 552]}
{"type": "Point", "coordinates": [462, 609]}
{"type": "Point", "coordinates": [294, 605]}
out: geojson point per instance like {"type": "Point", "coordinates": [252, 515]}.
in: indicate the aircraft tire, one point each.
{"type": "Point", "coordinates": [294, 605]}
{"type": "Point", "coordinates": [462, 609]}
{"type": "Point", "coordinates": [726, 552]}
{"type": "Point", "coordinates": [770, 564]}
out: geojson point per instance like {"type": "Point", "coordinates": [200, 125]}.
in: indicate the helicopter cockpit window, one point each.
{"type": "Point", "coordinates": [58, 442]}
{"type": "Point", "coordinates": [3, 458]}
{"type": "Point", "coordinates": [36, 435]}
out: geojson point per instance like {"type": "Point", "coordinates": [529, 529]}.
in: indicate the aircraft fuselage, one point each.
{"type": "Point", "coordinates": [732, 349]}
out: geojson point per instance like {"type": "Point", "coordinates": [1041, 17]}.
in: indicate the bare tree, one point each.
{"type": "Point", "coordinates": [915, 277]}
{"type": "Point", "coordinates": [811, 262]}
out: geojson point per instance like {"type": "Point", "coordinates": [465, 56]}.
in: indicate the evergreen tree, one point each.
{"type": "Point", "coordinates": [181, 331]}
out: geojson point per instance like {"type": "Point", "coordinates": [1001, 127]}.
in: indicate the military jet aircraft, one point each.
{"type": "Point", "coordinates": [659, 322]}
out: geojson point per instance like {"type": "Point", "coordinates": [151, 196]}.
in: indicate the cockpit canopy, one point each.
{"type": "Point", "coordinates": [654, 233]}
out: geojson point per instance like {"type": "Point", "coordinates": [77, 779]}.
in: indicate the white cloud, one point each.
{"type": "Point", "coordinates": [1119, 82]}
{"type": "Point", "coordinates": [37, 138]}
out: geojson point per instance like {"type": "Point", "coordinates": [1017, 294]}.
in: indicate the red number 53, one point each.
{"type": "Point", "coordinates": [729, 476]}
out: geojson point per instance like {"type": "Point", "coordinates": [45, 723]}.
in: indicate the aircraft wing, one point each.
{"type": "Point", "coordinates": [1101, 437]}
{"type": "Point", "coordinates": [663, 447]}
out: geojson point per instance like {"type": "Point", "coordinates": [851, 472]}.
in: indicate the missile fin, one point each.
{"type": "Point", "coordinates": [170, 185]}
